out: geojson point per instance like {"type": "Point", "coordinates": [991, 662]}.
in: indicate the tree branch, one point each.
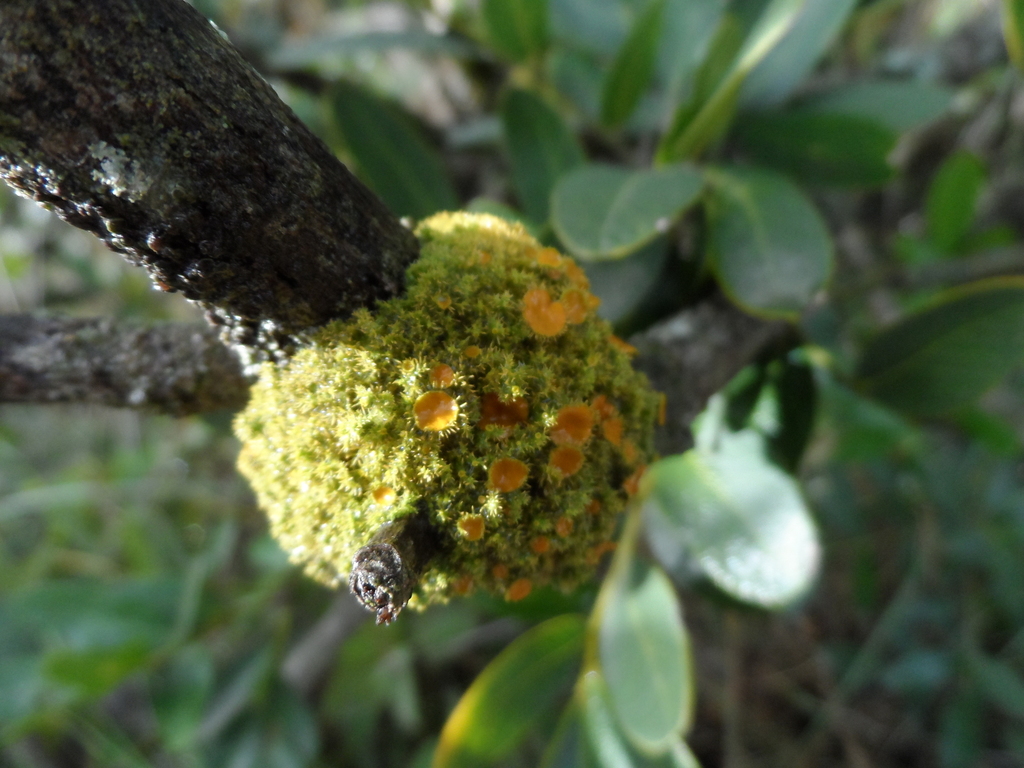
{"type": "Point", "coordinates": [174, 369]}
{"type": "Point", "coordinates": [137, 121]}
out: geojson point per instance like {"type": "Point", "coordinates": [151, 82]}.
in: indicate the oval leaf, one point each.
{"type": "Point", "coordinates": [391, 153]}
{"type": "Point", "coordinates": [633, 66]}
{"type": "Point", "coordinates": [952, 200]}
{"type": "Point", "coordinates": [900, 105]}
{"type": "Point", "coordinates": [736, 517]}
{"type": "Point", "coordinates": [769, 247]}
{"type": "Point", "coordinates": [603, 211]}
{"type": "Point", "coordinates": [514, 693]}
{"type": "Point", "coordinates": [820, 148]}
{"type": "Point", "coordinates": [645, 658]}
{"type": "Point", "coordinates": [516, 28]}
{"type": "Point", "coordinates": [949, 354]}
{"type": "Point", "coordinates": [540, 148]}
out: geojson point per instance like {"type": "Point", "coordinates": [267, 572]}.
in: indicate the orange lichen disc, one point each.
{"type": "Point", "coordinates": [442, 375]}
{"type": "Point", "coordinates": [603, 407]}
{"type": "Point", "coordinates": [518, 589]}
{"type": "Point", "coordinates": [632, 483]}
{"type": "Point", "coordinates": [563, 526]}
{"type": "Point", "coordinates": [472, 351]}
{"type": "Point", "coordinates": [540, 545]}
{"type": "Point", "coordinates": [494, 412]}
{"type": "Point", "coordinates": [593, 506]}
{"type": "Point", "coordinates": [629, 452]}
{"type": "Point", "coordinates": [435, 411]}
{"type": "Point", "coordinates": [463, 585]}
{"type": "Point", "coordinates": [548, 257]}
{"type": "Point", "coordinates": [612, 429]}
{"type": "Point", "coordinates": [575, 273]}
{"type": "Point", "coordinates": [472, 526]}
{"type": "Point", "coordinates": [573, 425]}
{"type": "Point", "coordinates": [544, 316]}
{"type": "Point", "coordinates": [384, 496]}
{"type": "Point", "coordinates": [567, 460]}
{"type": "Point", "coordinates": [500, 571]}
{"type": "Point", "coordinates": [575, 302]}
{"type": "Point", "coordinates": [621, 345]}
{"type": "Point", "coordinates": [506, 475]}
{"type": "Point", "coordinates": [443, 301]}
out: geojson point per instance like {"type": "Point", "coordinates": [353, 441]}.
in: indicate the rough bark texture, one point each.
{"type": "Point", "coordinates": [137, 121]}
{"type": "Point", "coordinates": [174, 369]}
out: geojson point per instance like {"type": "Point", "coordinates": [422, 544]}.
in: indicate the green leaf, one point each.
{"type": "Point", "coordinates": [633, 67]}
{"type": "Point", "coordinates": [697, 124]}
{"type": "Point", "coordinates": [952, 200]}
{"type": "Point", "coordinates": [1013, 30]}
{"type": "Point", "coordinates": [179, 693]}
{"type": "Point", "coordinates": [540, 148]}
{"type": "Point", "coordinates": [310, 51]}
{"type": "Point", "coordinates": [515, 692]}
{"type": "Point", "coordinates": [95, 671]}
{"type": "Point", "coordinates": [603, 211]}
{"type": "Point", "coordinates": [999, 683]}
{"type": "Point", "coordinates": [948, 354]}
{"type": "Point", "coordinates": [900, 105]}
{"type": "Point", "coordinates": [817, 24]}
{"type": "Point", "coordinates": [820, 148]}
{"type": "Point", "coordinates": [391, 153]}
{"type": "Point", "coordinates": [628, 286]}
{"type": "Point", "coordinates": [645, 658]}
{"type": "Point", "coordinates": [567, 748]}
{"type": "Point", "coordinates": [769, 247]}
{"type": "Point", "coordinates": [736, 517]}
{"type": "Point", "coordinates": [516, 28]}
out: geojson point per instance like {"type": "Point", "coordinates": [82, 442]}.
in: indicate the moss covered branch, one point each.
{"type": "Point", "coordinates": [137, 121]}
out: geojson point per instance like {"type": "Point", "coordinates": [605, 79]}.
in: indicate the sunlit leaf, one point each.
{"type": "Point", "coordinates": [604, 211]}
{"type": "Point", "coordinates": [391, 153]}
{"type": "Point", "coordinates": [1013, 30]}
{"type": "Point", "coordinates": [819, 147]}
{"type": "Point", "coordinates": [952, 200]}
{"type": "Point", "coordinates": [737, 518]}
{"type": "Point", "coordinates": [794, 56]}
{"type": "Point", "coordinates": [540, 149]}
{"type": "Point", "coordinates": [633, 66]}
{"type": "Point", "coordinates": [515, 692]}
{"type": "Point", "coordinates": [645, 658]}
{"type": "Point", "coordinates": [770, 249]}
{"type": "Point", "coordinates": [516, 28]}
{"type": "Point", "coordinates": [948, 354]}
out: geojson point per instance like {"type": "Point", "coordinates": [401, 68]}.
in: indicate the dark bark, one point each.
{"type": "Point", "coordinates": [173, 369]}
{"type": "Point", "coordinates": [137, 121]}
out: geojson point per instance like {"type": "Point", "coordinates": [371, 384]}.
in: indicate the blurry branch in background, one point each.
{"type": "Point", "coordinates": [157, 137]}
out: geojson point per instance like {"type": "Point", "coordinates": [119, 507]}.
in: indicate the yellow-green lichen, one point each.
{"type": "Point", "coordinates": [489, 394]}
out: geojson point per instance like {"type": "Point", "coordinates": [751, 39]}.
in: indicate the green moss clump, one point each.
{"type": "Point", "coordinates": [488, 395]}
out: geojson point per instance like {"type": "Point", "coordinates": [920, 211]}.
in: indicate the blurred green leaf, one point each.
{"type": "Point", "coordinates": [699, 123]}
{"type": "Point", "coordinates": [625, 286]}
{"type": "Point", "coordinates": [391, 153]}
{"type": "Point", "coordinates": [567, 748]}
{"type": "Point", "coordinates": [690, 30]}
{"type": "Point", "coordinates": [513, 694]}
{"type": "Point", "coordinates": [645, 658]}
{"type": "Point", "coordinates": [818, 147]}
{"type": "Point", "coordinates": [94, 671]}
{"type": "Point", "coordinates": [737, 518]}
{"type": "Point", "coordinates": [516, 28]}
{"type": "Point", "coordinates": [998, 682]}
{"type": "Point", "coordinates": [793, 57]}
{"type": "Point", "coordinates": [633, 67]}
{"type": "Point", "coordinates": [604, 211]}
{"type": "Point", "coordinates": [952, 200]}
{"type": "Point", "coordinates": [900, 105]}
{"type": "Point", "coordinates": [179, 693]}
{"type": "Point", "coordinates": [962, 729]}
{"type": "Point", "coordinates": [1013, 30]}
{"type": "Point", "coordinates": [540, 147]}
{"type": "Point", "coordinates": [312, 50]}
{"type": "Point", "coordinates": [947, 355]}
{"type": "Point", "coordinates": [770, 249]}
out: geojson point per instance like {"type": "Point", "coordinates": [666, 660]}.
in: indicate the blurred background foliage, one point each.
{"type": "Point", "coordinates": [855, 168]}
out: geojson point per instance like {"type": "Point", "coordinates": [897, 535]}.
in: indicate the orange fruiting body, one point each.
{"type": "Point", "coordinates": [435, 411]}
{"type": "Point", "coordinates": [602, 407]}
{"type": "Point", "coordinates": [612, 429]}
{"type": "Point", "coordinates": [472, 527]}
{"type": "Point", "coordinates": [563, 526]}
{"type": "Point", "coordinates": [500, 571]}
{"type": "Point", "coordinates": [544, 316]}
{"type": "Point", "coordinates": [621, 345]}
{"type": "Point", "coordinates": [494, 412]}
{"type": "Point", "coordinates": [593, 506]}
{"type": "Point", "coordinates": [572, 425]}
{"type": "Point", "coordinates": [518, 589]}
{"type": "Point", "coordinates": [575, 302]}
{"type": "Point", "coordinates": [442, 375]}
{"type": "Point", "coordinates": [567, 460]}
{"type": "Point", "coordinates": [443, 302]}
{"type": "Point", "coordinates": [507, 475]}
{"type": "Point", "coordinates": [631, 485]}
{"type": "Point", "coordinates": [472, 351]}
{"type": "Point", "coordinates": [540, 545]}
{"type": "Point", "coordinates": [384, 496]}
